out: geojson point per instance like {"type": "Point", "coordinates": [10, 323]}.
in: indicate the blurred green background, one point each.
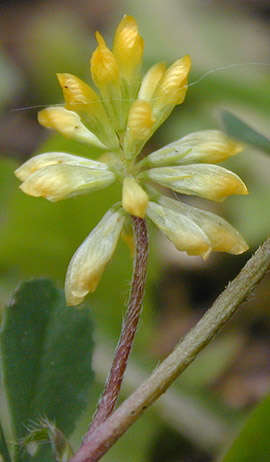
{"type": "Point", "coordinates": [229, 45]}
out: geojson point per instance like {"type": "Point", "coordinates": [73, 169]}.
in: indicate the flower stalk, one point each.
{"type": "Point", "coordinates": [99, 442]}
{"type": "Point", "coordinates": [129, 327]}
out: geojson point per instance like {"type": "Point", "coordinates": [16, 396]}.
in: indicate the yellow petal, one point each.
{"type": "Point", "coordinates": [67, 123]}
{"type": "Point", "coordinates": [140, 120]}
{"type": "Point", "coordinates": [82, 99]}
{"type": "Point", "coordinates": [223, 237]}
{"type": "Point", "coordinates": [134, 198]}
{"type": "Point", "coordinates": [139, 127]}
{"type": "Point", "coordinates": [151, 81]}
{"type": "Point", "coordinates": [57, 182]}
{"type": "Point", "coordinates": [182, 231]}
{"type": "Point", "coordinates": [104, 68]}
{"type": "Point", "coordinates": [173, 86]}
{"type": "Point", "coordinates": [89, 261]}
{"type": "Point", "coordinates": [128, 47]}
{"type": "Point", "coordinates": [205, 180]}
{"type": "Point", "coordinates": [55, 158]}
{"type": "Point", "coordinates": [78, 95]}
{"type": "Point", "coordinates": [208, 146]}
{"type": "Point", "coordinates": [105, 74]}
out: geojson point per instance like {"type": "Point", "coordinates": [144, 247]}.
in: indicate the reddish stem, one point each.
{"type": "Point", "coordinates": [129, 326]}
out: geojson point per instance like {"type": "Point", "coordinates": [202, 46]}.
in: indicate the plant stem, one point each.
{"type": "Point", "coordinates": [129, 326]}
{"type": "Point", "coordinates": [99, 442]}
{"type": "Point", "coordinates": [207, 428]}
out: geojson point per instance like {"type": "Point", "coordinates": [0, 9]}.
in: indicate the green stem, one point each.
{"type": "Point", "coordinates": [185, 352]}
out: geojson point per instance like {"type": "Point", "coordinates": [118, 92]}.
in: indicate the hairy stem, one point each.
{"type": "Point", "coordinates": [129, 326]}
{"type": "Point", "coordinates": [98, 443]}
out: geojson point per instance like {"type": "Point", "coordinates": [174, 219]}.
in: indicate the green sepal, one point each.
{"type": "Point", "coordinates": [46, 432]}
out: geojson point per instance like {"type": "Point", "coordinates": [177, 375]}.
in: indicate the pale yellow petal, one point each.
{"type": "Point", "coordinates": [183, 232]}
{"type": "Point", "coordinates": [134, 198]}
{"type": "Point", "coordinates": [57, 182]}
{"type": "Point", "coordinates": [207, 146]}
{"type": "Point", "coordinates": [67, 123]}
{"type": "Point", "coordinates": [151, 81]}
{"type": "Point", "coordinates": [205, 180]}
{"type": "Point", "coordinates": [55, 158]}
{"type": "Point", "coordinates": [223, 236]}
{"type": "Point", "coordinates": [88, 263]}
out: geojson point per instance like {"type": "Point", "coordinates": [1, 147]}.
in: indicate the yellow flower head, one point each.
{"type": "Point", "coordinates": [119, 117]}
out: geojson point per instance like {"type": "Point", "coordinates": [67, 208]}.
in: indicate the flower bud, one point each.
{"type": "Point", "coordinates": [170, 90]}
{"type": "Point", "coordinates": [134, 198]}
{"type": "Point", "coordinates": [89, 261]}
{"type": "Point", "coordinates": [173, 87]}
{"type": "Point", "coordinates": [105, 74]}
{"type": "Point", "coordinates": [104, 68]}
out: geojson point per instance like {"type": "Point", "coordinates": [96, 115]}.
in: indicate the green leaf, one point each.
{"type": "Point", "coordinates": [240, 130]}
{"type": "Point", "coordinates": [46, 351]}
{"type": "Point", "coordinates": [252, 444]}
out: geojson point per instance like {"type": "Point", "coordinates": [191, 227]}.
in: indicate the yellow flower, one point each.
{"type": "Point", "coordinates": [119, 117]}
{"type": "Point", "coordinates": [88, 262]}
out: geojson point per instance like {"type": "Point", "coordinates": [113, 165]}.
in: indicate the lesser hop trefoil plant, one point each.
{"type": "Point", "coordinates": [119, 117]}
